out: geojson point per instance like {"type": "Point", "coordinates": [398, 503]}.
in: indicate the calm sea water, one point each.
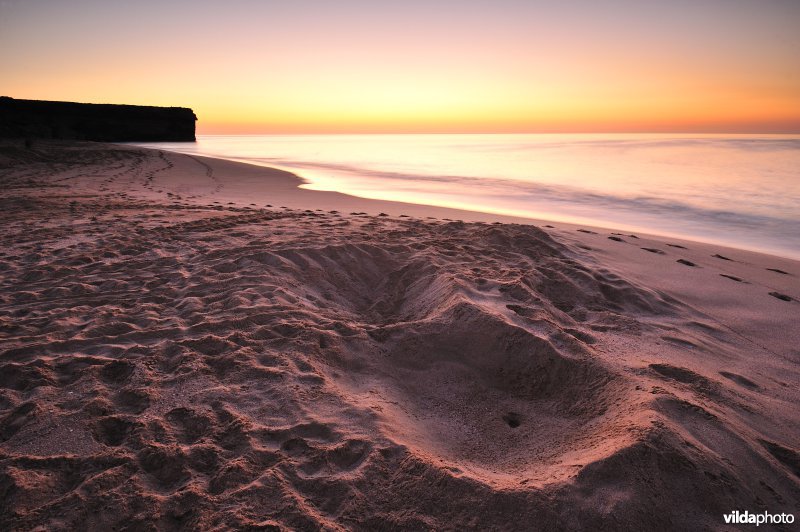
{"type": "Point", "coordinates": [737, 190]}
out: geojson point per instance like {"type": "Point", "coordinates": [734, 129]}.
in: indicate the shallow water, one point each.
{"type": "Point", "coordinates": [736, 190]}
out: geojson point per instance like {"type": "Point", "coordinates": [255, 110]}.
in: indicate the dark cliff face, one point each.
{"type": "Point", "coordinates": [98, 122]}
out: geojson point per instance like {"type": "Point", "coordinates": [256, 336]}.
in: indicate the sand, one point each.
{"type": "Point", "coordinates": [189, 343]}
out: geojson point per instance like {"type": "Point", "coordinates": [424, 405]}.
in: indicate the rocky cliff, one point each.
{"type": "Point", "coordinates": [98, 122]}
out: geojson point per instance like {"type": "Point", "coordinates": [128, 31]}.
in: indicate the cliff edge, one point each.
{"type": "Point", "coordinates": [97, 122]}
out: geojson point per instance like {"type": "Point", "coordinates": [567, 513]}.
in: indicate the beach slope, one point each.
{"type": "Point", "coordinates": [188, 343]}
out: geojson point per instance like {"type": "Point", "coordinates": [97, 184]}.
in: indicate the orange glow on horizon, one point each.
{"type": "Point", "coordinates": [356, 67]}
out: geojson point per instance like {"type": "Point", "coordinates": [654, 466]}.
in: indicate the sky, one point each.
{"type": "Point", "coordinates": [369, 66]}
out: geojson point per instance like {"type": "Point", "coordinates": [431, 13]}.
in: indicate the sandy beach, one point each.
{"type": "Point", "coordinates": [189, 343]}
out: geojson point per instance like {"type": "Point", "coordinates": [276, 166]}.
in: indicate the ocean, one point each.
{"type": "Point", "coordinates": [737, 190]}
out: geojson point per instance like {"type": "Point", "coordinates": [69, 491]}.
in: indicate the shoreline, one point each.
{"type": "Point", "coordinates": [176, 355]}
{"type": "Point", "coordinates": [675, 214]}
{"type": "Point", "coordinates": [451, 213]}
{"type": "Point", "coordinates": [472, 215]}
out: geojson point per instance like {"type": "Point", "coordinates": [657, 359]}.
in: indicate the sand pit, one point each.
{"type": "Point", "coordinates": [176, 357]}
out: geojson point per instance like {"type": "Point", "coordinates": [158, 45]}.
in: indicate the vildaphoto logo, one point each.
{"type": "Point", "coordinates": [746, 518]}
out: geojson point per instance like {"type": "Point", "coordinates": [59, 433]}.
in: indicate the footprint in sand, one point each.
{"type": "Point", "coordinates": [680, 374]}
{"type": "Point", "coordinates": [776, 270]}
{"type": "Point", "coordinates": [654, 250]}
{"type": "Point", "coordinates": [586, 231]}
{"type": "Point", "coordinates": [676, 246]}
{"type": "Point", "coordinates": [723, 257]}
{"type": "Point", "coordinates": [133, 401]}
{"type": "Point", "coordinates": [616, 239]}
{"type": "Point", "coordinates": [740, 380]}
{"type": "Point", "coordinates": [788, 457]}
{"type": "Point", "coordinates": [687, 262]}
{"type": "Point", "coordinates": [782, 297]}
{"type": "Point", "coordinates": [189, 425]}
{"type": "Point", "coordinates": [512, 419]}
{"type": "Point", "coordinates": [14, 421]}
{"type": "Point", "coordinates": [732, 277]}
{"type": "Point", "coordinates": [112, 430]}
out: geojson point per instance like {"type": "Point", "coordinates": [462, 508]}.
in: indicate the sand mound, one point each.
{"type": "Point", "coordinates": [175, 366]}
{"type": "Point", "coordinates": [487, 386]}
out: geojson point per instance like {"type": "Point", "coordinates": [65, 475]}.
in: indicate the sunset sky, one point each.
{"type": "Point", "coordinates": [250, 66]}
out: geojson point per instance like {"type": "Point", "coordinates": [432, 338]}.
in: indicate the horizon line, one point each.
{"type": "Point", "coordinates": [579, 132]}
